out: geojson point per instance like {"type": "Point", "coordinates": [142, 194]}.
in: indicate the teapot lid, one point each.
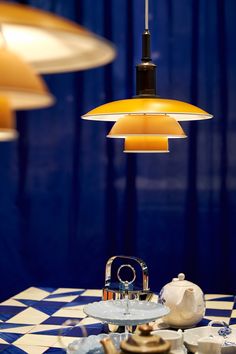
{"type": "Point", "coordinates": [145, 342]}
{"type": "Point", "coordinates": [181, 282]}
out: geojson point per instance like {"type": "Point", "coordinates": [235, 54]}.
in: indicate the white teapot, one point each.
{"type": "Point", "coordinates": [185, 301]}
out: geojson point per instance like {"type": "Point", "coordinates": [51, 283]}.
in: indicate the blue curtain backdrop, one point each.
{"type": "Point", "coordinates": [70, 198]}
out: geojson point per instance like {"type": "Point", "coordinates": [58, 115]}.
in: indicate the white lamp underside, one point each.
{"type": "Point", "coordinates": [8, 135]}
{"type": "Point", "coordinates": [51, 51]}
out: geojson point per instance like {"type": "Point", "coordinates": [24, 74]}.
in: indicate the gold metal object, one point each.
{"type": "Point", "coordinates": [142, 342]}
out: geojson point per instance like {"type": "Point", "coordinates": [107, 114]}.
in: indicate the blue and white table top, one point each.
{"type": "Point", "coordinates": [31, 320]}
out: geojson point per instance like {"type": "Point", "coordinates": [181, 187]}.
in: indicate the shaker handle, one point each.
{"type": "Point", "coordinates": [141, 263]}
{"type": "Point", "coordinates": [222, 323]}
{"type": "Point", "coordinates": [224, 330]}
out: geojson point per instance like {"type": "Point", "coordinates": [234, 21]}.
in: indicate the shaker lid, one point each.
{"type": "Point", "coordinates": [144, 342]}
{"type": "Point", "coordinates": [180, 281]}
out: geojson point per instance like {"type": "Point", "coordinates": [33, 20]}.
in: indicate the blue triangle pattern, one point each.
{"type": "Point", "coordinates": [228, 298]}
{"type": "Point", "coordinates": [49, 290]}
{"type": "Point", "coordinates": [204, 322]}
{"type": "Point", "coordinates": [71, 293]}
{"type": "Point", "coordinates": [53, 332]}
{"type": "Point", "coordinates": [11, 349]}
{"type": "Point", "coordinates": [10, 337]}
{"type": "Point", "coordinates": [54, 304]}
{"type": "Point", "coordinates": [54, 351]}
{"type": "Point", "coordinates": [3, 347]}
{"type": "Point", "coordinates": [6, 316]}
{"type": "Point", "coordinates": [14, 310]}
{"type": "Point", "coordinates": [5, 325]}
{"type": "Point", "coordinates": [82, 300]}
{"type": "Point", "coordinates": [232, 321]}
{"type": "Point", "coordinates": [48, 309]}
{"type": "Point", "coordinates": [93, 329]}
{"type": "Point", "coordinates": [56, 320]}
{"type": "Point", "coordinates": [27, 302]}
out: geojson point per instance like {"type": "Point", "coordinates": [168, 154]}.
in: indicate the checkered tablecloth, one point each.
{"type": "Point", "coordinates": [30, 321]}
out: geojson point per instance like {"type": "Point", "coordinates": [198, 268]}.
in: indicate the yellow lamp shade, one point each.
{"type": "Point", "coordinates": [51, 43]}
{"type": "Point", "coordinates": [146, 144]}
{"type": "Point", "coordinates": [143, 125]}
{"type": "Point", "coordinates": [179, 110]}
{"type": "Point", "coordinates": [7, 121]}
{"type": "Point", "coordinates": [20, 84]}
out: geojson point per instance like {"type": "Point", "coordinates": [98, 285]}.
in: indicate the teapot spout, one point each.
{"type": "Point", "coordinates": [188, 304]}
{"type": "Point", "coordinates": [108, 346]}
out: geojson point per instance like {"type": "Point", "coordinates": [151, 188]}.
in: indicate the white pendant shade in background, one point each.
{"type": "Point", "coordinates": [31, 41]}
{"type": "Point", "coordinates": [51, 44]}
{"type": "Point", "coordinates": [20, 88]}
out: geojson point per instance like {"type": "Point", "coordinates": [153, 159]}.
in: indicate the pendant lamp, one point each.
{"type": "Point", "coordinates": [146, 100]}
{"type": "Point", "coordinates": [50, 43]}
{"type": "Point", "coordinates": [23, 88]}
{"type": "Point", "coordinates": [146, 144]}
{"type": "Point", "coordinates": [7, 121]}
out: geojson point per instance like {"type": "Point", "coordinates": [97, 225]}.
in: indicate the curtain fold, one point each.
{"type": "Point", "coordinates": [70, 198]}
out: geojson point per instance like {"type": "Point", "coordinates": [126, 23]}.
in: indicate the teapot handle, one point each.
{"type": "Point", "coordinates": [138, 260]}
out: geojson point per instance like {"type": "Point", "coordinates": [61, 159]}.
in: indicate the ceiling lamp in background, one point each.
{"type": "Point", "coordinates": [23, 88]}
{"type": "Point", "coordinates": [7, 121]}
{"type": "Point", "coordinates": [146, 103]}
{"type": "Point", "coordinates": [146, 144]}
{"type": "Point", "coordinates": [50, 43]}
{"type": "Point", "coordinates": [20, 88]}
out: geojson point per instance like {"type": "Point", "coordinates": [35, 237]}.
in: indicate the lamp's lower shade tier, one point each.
{"type": "Point", "coordinates": [146, 125]}
{"type": "Point", "coordinates": [19, 83]}
{"type": "Point", "coordinates": [146, 144]}
{"type": "Point", "coordinates": [7, 121]}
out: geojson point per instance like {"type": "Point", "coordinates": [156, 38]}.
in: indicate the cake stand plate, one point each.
{"type": "Point", "coordinates": [113, 311]}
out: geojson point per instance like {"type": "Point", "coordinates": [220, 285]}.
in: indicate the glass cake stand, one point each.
{"type": "Point", "coordinates": [125, 312]}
